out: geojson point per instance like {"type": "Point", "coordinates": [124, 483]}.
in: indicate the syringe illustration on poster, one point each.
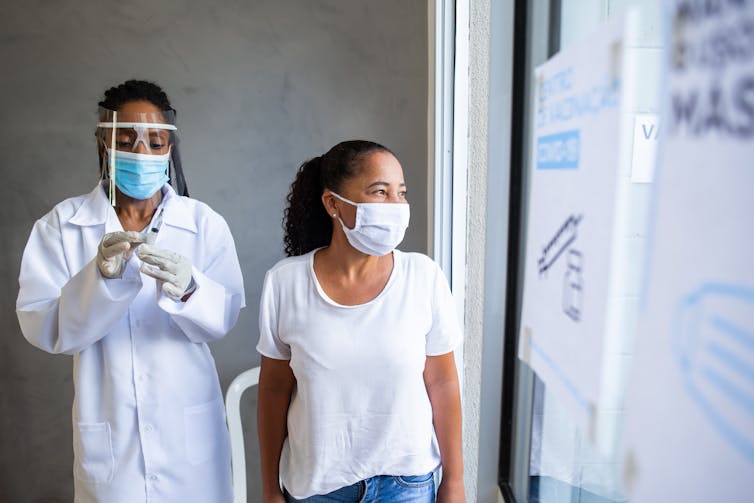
{"type": "Point", "coordinates": [564, 245]}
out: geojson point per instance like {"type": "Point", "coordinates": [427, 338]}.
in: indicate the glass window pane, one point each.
{"type": "Point", "coordinates": [565, 468]}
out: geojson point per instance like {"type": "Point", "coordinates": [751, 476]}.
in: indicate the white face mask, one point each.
{"type": "Point", "coordinates": [379, 227]}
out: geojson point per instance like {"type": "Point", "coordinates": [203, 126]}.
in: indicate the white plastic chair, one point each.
{"type": "Point", "coordinates": [241, 383]}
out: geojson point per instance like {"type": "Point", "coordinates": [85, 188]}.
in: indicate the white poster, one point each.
{"type": "Point", "coordinates": [690, 423]}
{"type": "Point", "coordinates": [574, 170]}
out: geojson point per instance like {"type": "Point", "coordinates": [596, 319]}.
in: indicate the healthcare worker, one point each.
{"type": "Point", "coordinates": [358, 393]}
{"type": "Point", "coordinates": [133, 279]}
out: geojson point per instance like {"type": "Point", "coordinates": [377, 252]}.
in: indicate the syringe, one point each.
{"type": "Point", "coordinates": [150, 236]}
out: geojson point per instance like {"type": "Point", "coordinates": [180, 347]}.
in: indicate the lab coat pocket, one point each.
{"type": "Point", "coordinates": [203, 425]}
{"type": "Point", "coordinates": [93, 451]}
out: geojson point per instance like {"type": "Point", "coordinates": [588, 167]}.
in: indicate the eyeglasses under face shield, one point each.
{"type": "Point", "coordinates": [142, 133]}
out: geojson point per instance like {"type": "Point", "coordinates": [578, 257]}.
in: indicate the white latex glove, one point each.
{"type": "Point", "coordinates": [172, 269]}
{"type": "Point", "coordinates": [114, 251]}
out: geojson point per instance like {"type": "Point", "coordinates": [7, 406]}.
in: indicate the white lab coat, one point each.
{"type": "Point", "coordinates": [148, 415]}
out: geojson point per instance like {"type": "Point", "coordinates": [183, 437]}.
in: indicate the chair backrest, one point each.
{"type": "Point", "coordinates": [241, 383]}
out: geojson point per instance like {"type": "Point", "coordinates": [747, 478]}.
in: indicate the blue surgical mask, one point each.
{"type": "Point", "coordinates": [140, 175]}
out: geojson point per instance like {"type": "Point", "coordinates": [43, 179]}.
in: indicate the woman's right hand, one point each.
{"type": "Point", "coordinates": [114, 251]}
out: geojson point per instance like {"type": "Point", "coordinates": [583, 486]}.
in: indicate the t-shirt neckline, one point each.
{"type": "Point", "coordinates": [326, 298]}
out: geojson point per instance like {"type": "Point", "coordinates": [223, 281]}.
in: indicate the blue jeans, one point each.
{"type": "Point", "coordinates": [382, 489]}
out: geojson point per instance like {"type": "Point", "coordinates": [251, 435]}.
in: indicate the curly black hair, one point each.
{"type": "Point", "coordinates": [142, 90]}
{"type": "Point", "coordinates": [306, 224]}
{"type": "Point", "coordinates": [136, 90]}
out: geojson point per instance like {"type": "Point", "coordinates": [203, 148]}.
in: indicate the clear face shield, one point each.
{"type": "Point", "coordinates": [135, 150]}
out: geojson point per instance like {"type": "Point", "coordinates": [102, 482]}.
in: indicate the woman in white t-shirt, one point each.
{"type": "Point", "coordinates": [358, 393]}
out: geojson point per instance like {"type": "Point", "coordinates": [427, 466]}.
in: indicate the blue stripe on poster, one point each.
{"type": "Point", "coordinates": [559, 151]}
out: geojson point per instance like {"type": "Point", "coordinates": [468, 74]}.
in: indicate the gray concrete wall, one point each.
{"type": "Point", "coordinates": [476, 235]}
{"type": "Point", "coordinates": [259, 86]}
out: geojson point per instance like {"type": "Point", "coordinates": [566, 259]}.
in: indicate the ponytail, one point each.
{"type": "Point", "coordinates": [306, 223]}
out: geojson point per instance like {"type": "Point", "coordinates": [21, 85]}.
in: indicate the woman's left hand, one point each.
{"type": "Point", "coordinates": [171, 268]}
{"type": "Point", "coordinates": [451, 491]}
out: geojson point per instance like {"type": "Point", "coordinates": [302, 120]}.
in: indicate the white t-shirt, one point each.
{"type": "Point", "coordinates": [360, 407]}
